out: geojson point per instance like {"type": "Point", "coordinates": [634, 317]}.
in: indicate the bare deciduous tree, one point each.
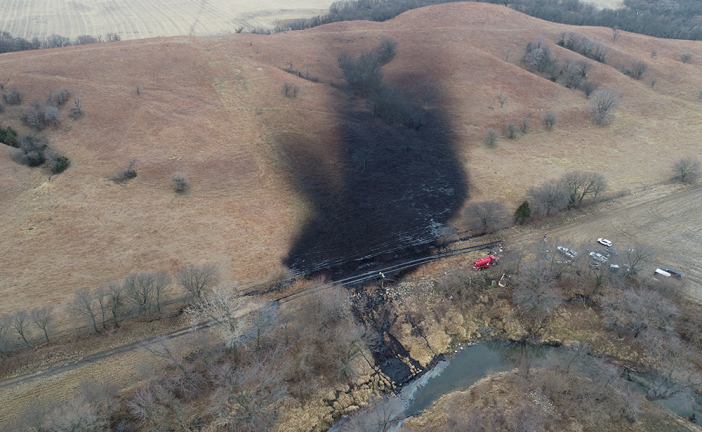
{"type": "Point", "coordinates": [225, 307]}
{"type": "Point", "coordinates": [550, 121]}
{"type": "Point", "coordinates": [636, 256]}
{"type": "Point", "coordinates": [549, 197]}
{"type": "Point", "coordinates": [12, 97]}
{"type": "Point", "coordinates": [197, 279]}
{"type": "Point", "coordinates": [635, 310]}
{"type": "Point", "coordinates": [486, 215]}
{"type": "Point", "coordinates": [581, 184]}
{"type": "Point", "coordinates": [4, 333]}
{"type": "Point", "coordinates": [636, 70]}
{"type": "Point", "coordinates": [588, 87]}
{"type": "Point", "coordinates": [84, 305]}
{"type": "Point", "coordinates": [115, 300]}
{"type": "Point", "coordinates": [685, 57]}
{"type": "Point", "coordinates": [43, 318]}
{"type": "Point", "coordinates": [602, 106]}
{"type": "Point", "coordinates": [524, 125]}
{"type": "Point", "coordinates": [654, 81]}
{"type": "Point", "coordinates": [687, 169]}
{"type": "Point", "coordinates": [76, 110]}
{"type": "Point", "coordinates": [512, 130]}
{"type": "Point", "coordinates": [20, 322]}
{"type": "Point", "coordinates": [501, 99]}
{"type": "Point", "coordinates": [141, 289]}
{"type": "Point", "coordinates": [287, 88]}
{"type": "Point", "coordinates": [490, 137]}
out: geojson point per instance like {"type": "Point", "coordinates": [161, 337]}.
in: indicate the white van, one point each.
{"type": "Point", "coordinates": [661, 273]}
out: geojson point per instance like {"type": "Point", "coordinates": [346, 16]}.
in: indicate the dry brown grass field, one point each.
{"type": "Point", "coordinates": [133, 19]}
{"type": "Point", "coordinates": [214, 109]}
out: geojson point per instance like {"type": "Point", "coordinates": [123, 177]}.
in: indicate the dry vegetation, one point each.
{"type": "Point", "coordinates": [214, 109]}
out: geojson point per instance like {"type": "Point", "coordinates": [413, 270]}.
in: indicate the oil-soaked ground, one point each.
{"type": "Point", "coordinates": [399, 186]}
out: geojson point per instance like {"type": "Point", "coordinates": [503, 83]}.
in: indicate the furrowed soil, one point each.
{"type": "Point", "coordinates": [284, 182]}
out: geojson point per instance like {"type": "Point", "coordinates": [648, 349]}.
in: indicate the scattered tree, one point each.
{"type": "Point", "coordinates": [486, 215]}
{"type": "Point", "coordinates": [654, 53]}
{"type": "Point", "coordinates": [686, 57]}
{"type": "Point", "coordinates": [581, 184]}
{"type": "Point", "coordinates": [385, 51]}
{"type": "Point", "coordinates": [197, 279]}
{"type": "Point", "coordinates": [140, 290]}
{"type": "Point", "coordinates": [654, 80]}
{"type": "Point", "coordinates": [602, 106]}
{"type": "Point", "coordinates": [51, 116]}
{"type": "Point", "coordinates": [43, 318]}
{"type": "Point", "coordinates": [550, 121]}
{"type": "Point", "coordinates": [84, 305]}
{"type": "Point", "coordinates": [636, 256]}
{"type": "Point", "coordinates": [287, 88]}
{"type": "Point", "coordinates": [524, 125]}
{"type": "Point", "coordinates": [12, 97]}
{"type": "Point", "coordinates": [588, 87]}
{"type": "Point", "coordinates": [76, 110]}
{"type": "Point", "coordinates": [501, 99]}
{"type": "Point", "coordinates": [687, 169]}
{"type": "Point", "coordinates": [490, 137]}
{"type": "Point", "coordinates": [512, 130]}
{"type": "Point", "coordinates": [636, 70]}
{"type": "Point", "coordinates": [20, 322]}
{"type": "Point", "coordinates": [180, 182]}
{"type": "Point", "coordinates": [362, 74]}
{"type": "Point", "coordinates": [635, 310]}
{"type": "Point", "coordinates": [31, 150]}
{"type": "Point", "coordinates": [125, 175]}
{"type": "Point", "coordinates": [549, 197]}
{"type": "Point", "coordinates": [523, 213]}
{"type": "Point", "coordinates": [59, 97]}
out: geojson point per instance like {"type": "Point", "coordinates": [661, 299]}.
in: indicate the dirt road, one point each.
{"type": "Point", "coordinates": [669, 222]}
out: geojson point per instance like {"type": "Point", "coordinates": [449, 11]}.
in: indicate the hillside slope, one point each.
{"type": "Point", "coordinates": [292, 181]}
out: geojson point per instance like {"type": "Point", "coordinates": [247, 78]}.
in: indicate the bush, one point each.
{"type": "Point", "coordinates": [180, 182]}
{"type": "Point", "coordinates": [362, 74]}
{"type": "Point", "coordinates": [512, 130]}
{"type": "Point", "coordinates": [31, 151]}
{"type": "Point", "coordinates": [490, 137]}
{"type": "Point", "coordinates": [550, 120]}
{"type": "Point", "coordinates": [602, 106]}
{"type": "Point", "coordinates": [59, 97]}
{"type": "Point", "coordinates": [636, 70]}
{"type": "Point", "coordinates": [34, 117]}
{"type": "Point", "coordinates": [76, 110]}
{"type": "Point", "coordinates": [12, 97]}
{"type": "Point", "coordinates": [59, 164]}
{"type": "Point", "coordinates": [125, 175]}
{"type": "Point", "coordinates": [9, 137]}
{"type": "Point", "coordinates": [51, 116]}
{"type": "Point", "coordinates": [588, 87]}
{"type": "Point", "coordinates": [687, 169]}
{"type": "Point", "coordinates": [385, 51]}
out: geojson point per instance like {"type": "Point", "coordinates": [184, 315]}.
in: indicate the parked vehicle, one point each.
{"type": "Point", "coordinates": [486, 262]}
{"type": "Point", "coordinates": [674, 273]}
{"type": "Point", "coordinates": [661, 272]}
{"type": "Point", "coordinates": [604, 242]}
{"type": "Point", "coordinates": [570, 253]}
{"type": "Point", "coordinates": [598, 256]}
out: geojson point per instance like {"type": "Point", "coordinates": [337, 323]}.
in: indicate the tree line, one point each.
{"type": "Point", "coordinates": [674, 19]}
{"type": "Point", "coordinates": [9, 43]}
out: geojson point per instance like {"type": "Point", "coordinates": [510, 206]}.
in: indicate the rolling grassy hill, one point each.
{"type": "Point", "coordinates": [280, 182]}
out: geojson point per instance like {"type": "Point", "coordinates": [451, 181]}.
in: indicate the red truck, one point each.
{"type": "Point", "coordinates": [486, 262]}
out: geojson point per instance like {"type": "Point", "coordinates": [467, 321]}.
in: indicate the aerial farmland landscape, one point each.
{"type": "Point", "coordinates": [362, 216]}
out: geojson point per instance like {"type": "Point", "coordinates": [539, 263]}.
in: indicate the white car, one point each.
{"type": "Point", "coordinates": [598, 256]}
{"type": "Point", "coordinates": [604, 242]}
{"type": "Point", "coordinates": [570, 253]}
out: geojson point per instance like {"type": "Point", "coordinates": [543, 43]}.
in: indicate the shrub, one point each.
{"type": "Point", "coordinates": [490, 137]}
{"type": "Point", "coordinates": [59, 97]}
{"type": "Point", "coordinates": [125, 175]}
{"type": "Point", "coordinates": [512, 130]}
{"type": "Point", "coordinates": [685, 57]}
{"type": "Point", "coordinates": [12, 97]}
{"type": "Point", "coordinates": [602, 106]}
{"type": "Point", "coordinates": [550, 120]}
{"type": "Point", "coordinates": [34, 117]}
{"type": "Point", "coordinates": [180, 182]}
{"type": "Point", "coordinates": [31, 151]}
{"type": "Point", "coordinates": [524, 125]}
{"type": "Point", "coordinates": [687, 169]}
{"type": "Point", "coordinates": [9, 137]}
{"type": "Point", "coordinates": [486, 215]}
{"type": "Point", "coordinates": [51, 116]}
{"type": "Point", "coordinates": [385, 51]}
{"type": "Point", "coordinates": [85, 40]}
{"type": "Point", "coordinates": [636, 70]}
{"type": "Point", "coordinates": [59, 164]}
{"type": "Point", "coordinates": [588, 87]}
{"type": "Point", "coordinates": [362, 74]}
{"type": "Point", "coordinates": [76, 110]}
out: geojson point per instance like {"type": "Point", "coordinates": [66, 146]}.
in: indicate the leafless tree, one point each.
{"type": "Point", "coordinates": [79, 414]}
{"type": "Point", "coordinates": [573, 74]}
{"type": "Point", "coordinates": [246, 396]}
{"type": "Point", "coordinates": [636, 256]}
{"type": "Point", "coordinates": [385, 51]}
{"type": "Point", "coordinates": [379, 415]}
{"type": "Point", "coordinates": [581, 184]}
{"type": "Point", "coordinates": [84, 305]}
{"type": "Point", "coordinates": [654, 81]}
{"type": "Point", "coordinates": [141, 290]}
{"type": "Point", "coordinates": [225, 307]}
{"type": "Point", "coordinates": [637, 309]}
{"type": "Point", "coordinates": [687, 169]}
{"type": "Point", "coordinates": [685, 57]}
{"type": "Point", "coordinates": [486, 215]}
{"type": "Point", "coordinates": [501, 99]}
{"type": "Point", "coordinates": [512, 130]}
{"type": "Point", "coordinates": [180, 182]}
{"type": "Point", "coordinates": [615, 34]}
{"type": "Point", "coordinates": [43, 318]}
{"type": "Point", "coordinates": [524, 125]}
{"type": "Point", "coordinates": [636, 70]}
{"type": "Point", "coordinates": [59, 97]}
{"type": "Point", "coordinates": [654, 53]}
{"type": "Point", "coordinates": [20, 322]}
{"type": "Point", "coordinates": [535, 297]}
{"type": "Point", "coordinates": [588, 87]}
{"type": "Point", "coordinates": [12, 97]}
{"type": "Point", "coordinates": [550, 121]}
{"type": "Point", "coordinates": [262, 317]}
{"type": "Point", "coordinates": [76, 110]}
{"type": "Point", "coordinates": [490, 137]}
{"type": "Point", "coordinates": [4, 333]}
{"type": "Point", "coordinates": [287, 88]}
{"type": "Point", "coordinates": [137, 89]}
{"type": "Point", "coordinates": [115, 300]}
{"type": "Point", "coordinates": [602, 106]}
{"type": "Point", "coordinates": [51, 116]}
{"type": "Point", "coordinates": [197, 279]}
{"type": "Point", "coordinates": [549, 197]}
{"type": "Point", "coordinates": [113, 37]}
